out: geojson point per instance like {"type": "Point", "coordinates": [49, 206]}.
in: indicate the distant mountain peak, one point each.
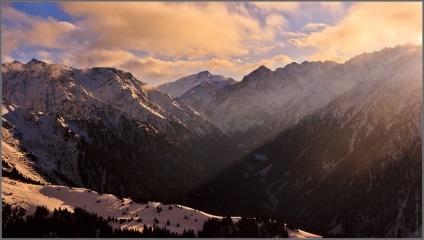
{"type": "Point", "coordinates": [35, 61]}
{"type": "Point", "coordinates": [184, 84]}
{"type": "Point", "coordinates": [260, 71]}
{"type": "Point", "coordinates": [263, 68]}
{"type": "Point", "coordinates": [204, 74]}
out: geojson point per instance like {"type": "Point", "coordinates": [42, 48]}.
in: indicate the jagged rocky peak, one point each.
{"type": "Point", "coordinates": [13, 66]}
{"type": "Point", "coordinates": [116, 75]}
{"type": "Point", "coordinates": [318, 63]}
{"type": "Point", "coordinates": [118, 88]}
{"type": "Point", "coordinates": [35, 61]}
{"type": "Point", "coordinates": [314, 83]}
{"type": "Point", "coordinates": [184, 84]}
{"type": "Point", "coordinates": [259, 74]}
{"type": "Point", "coordinates": [203, 74]}
{"type": "Point", "coordinates": [289, 67]}
{"type": "Point", "coordinates": [386, 55]}
{"type": "Point", "coordinates": [262, 69]}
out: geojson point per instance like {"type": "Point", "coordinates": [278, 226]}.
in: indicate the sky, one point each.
{"type": "Point", "coordinates": [162, 41]}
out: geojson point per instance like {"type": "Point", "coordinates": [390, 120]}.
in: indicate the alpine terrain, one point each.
{"type": "Point", "coordinates": [332, 148]}
{"type": "Point", "coordinates": [103, 129]}
{"type": "Point", "coordinates": [67, 131]}
{"type": "Point", "coordinates": [337, 144]}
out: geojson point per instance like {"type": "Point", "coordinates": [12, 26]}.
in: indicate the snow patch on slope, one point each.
{"type": "Point", "coordinates": [29, 196]}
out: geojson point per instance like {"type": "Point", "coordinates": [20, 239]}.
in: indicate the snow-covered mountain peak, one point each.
{"type": "Point", "coordinates": [70, 90]}
{"type": "Point", "coordinates": [184, 84]}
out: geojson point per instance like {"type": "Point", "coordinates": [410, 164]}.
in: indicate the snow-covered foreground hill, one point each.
{"type": "Point", "coordinates": [29, 196]}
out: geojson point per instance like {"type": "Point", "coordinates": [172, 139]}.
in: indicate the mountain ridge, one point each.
{"type": "Point", "coordinates": [83, 123]}
{"type": "Point", "coordinates": [313, 138]}
{"type": "Point", "coordinates": [180, 86]}
{"type": "Point", "coordinates": [319, 136]}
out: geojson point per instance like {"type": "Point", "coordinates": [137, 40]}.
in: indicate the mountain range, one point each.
{"type": "Point", "coordinates": [97, 127]}
{"type": "Point", "coordinates": [331, 132]}
{"type": "Point", "coordinates": [333, 148]}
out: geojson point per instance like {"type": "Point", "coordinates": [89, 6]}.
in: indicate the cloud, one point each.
{"type": "Point", "coordinates": [294, 34]}
{"type": "Point", "coordinates": [18, 29]}
{"type": "Point", "coordinates": [170, 29]}
{"type": "Point", "coordinates": [138, 36]}
{"type": "Point", "coordinates": [274, 62]}
{"type": "Point", "coordinates": [162, 41]}
{"type": "Point", "coordinates": [335, 8]}
{"type": "Point", "coordinates": [44, 56]}
{"type": "Point", "coordinates": [102, 57]}
{"type": "Point", "coordinates": [276, 6]}
{"type": "Point", "coordinates": [156, 71]}
{"type": "Point", "coordinates": [6, 58]}
{"type": "Point", "coordinates": [276, 22]}
{"type": "Point", "coordinates": [314, 26]}
{"type": "Point", "coordinates": [368, 26]}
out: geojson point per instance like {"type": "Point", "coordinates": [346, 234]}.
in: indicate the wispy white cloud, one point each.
{"type": "Point", "coordinates": [314, 26]}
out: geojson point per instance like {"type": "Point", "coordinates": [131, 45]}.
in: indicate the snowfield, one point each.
{"type": "Point", "coordinates": [29, 196]}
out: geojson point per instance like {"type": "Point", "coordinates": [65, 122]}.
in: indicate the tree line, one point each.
{"type": "Point", "coordinates": [80, 223]}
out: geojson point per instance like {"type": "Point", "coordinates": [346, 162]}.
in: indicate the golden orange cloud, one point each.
{"type": "Point", "coordinates": [170, 29]}
{"type": "Point", "coordinates": [368, 26]}
{"type": "Point", "coordinates": [102, 57]}
{"type": "Point", "coordinates": [155, 71]}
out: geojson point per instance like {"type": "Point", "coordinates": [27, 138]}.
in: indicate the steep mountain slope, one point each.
{"type": "Point", "coordinates": [201, 95]}
{"type": "Point", "coordinates": [334, 148]}
{"type": "Point", "coordinates": [337, 144]}
{"type": "Point", "coordinates": [184, 84]}
{"type": "Point", "coordinates": [17, 163]}
{"type": "Point", "coordinates": [266, 102]}
{"type": "Point", "coordinates": [360, 155]}
{"type": "Point", "coordinates": [87, 127]}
